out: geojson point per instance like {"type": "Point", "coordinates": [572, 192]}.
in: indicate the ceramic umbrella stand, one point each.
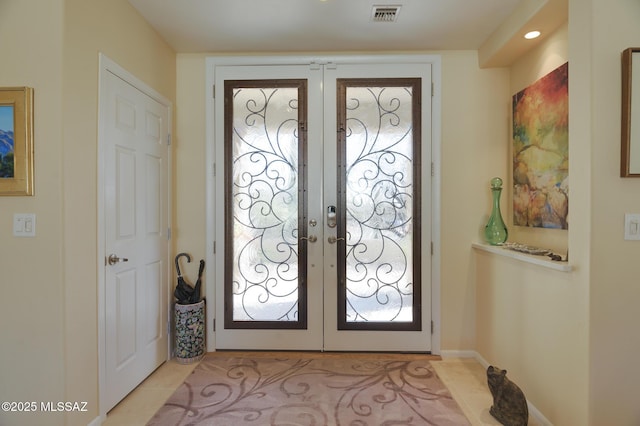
{"type": "Point", "coordinates": [189, 317]}
{"type": "Point", "coordinates": [189, 332]}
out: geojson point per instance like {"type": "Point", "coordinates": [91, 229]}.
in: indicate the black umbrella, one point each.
{"type": "Point", "coordinates": [195, 297]}
{"type": "Point", "coordinates": [183, 291]}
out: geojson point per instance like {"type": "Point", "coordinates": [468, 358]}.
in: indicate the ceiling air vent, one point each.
{"type": "Point", "coordinates": [385, 13]}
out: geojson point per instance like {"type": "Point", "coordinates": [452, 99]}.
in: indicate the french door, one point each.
{"type": "Point", "coordinates": [323, 206]}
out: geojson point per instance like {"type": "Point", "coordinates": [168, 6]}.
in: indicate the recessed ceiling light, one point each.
{"type": "Point", "coordinates": [532, 34]}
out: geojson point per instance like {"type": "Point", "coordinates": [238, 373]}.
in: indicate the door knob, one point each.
{"type": "Point", "coordinates": [310, 238]}
{"type": "Point", "coordinates": [333, 240]}
{"type": "Point", "coordinates": [113, 259]}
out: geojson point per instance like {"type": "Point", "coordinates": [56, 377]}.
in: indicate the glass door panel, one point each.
{"type": "Point", "coordinates": [265, 270]}
{"type": "Point", "coordinates": [378, 281]}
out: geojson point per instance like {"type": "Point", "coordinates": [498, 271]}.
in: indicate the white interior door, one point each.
{"type": "Point", "coordinates": [136, 223]}
{"type": "Point", "coordinates": [299, 271]}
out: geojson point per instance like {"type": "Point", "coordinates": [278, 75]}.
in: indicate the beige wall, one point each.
{"type": "Point", "coordinates": [32, 304]}
{"type": "Point", "coordinates": [533, 321]}
{"type": "Point", "coordinates": [475, 106]}
{"type": "Point", "coordinates": [615, 277]}
{"type": "Point", "coordinates": [190, 159]}
{"type": "Point", "coordinates": [48, 308]}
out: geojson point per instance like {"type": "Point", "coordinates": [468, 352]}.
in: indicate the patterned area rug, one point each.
{"type": "Point", "coordinates": [317, 391]}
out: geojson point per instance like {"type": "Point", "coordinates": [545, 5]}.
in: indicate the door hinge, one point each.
{"type": "Point", "coordinates": [168, 328]}
{"type": "Point", "coordinates": [432, 327]}
{"type": "Point", "coordinates": [214, 169]}
{"type": "Point", "coordinates": [433, 90]}
{"type": "Point", "coordinates": [168, 139]}
{"type": "Point", "coordinates": [431, 248]}
{"type": "Point", "coordinates": [214, 247]}
{"type": "Point", "coordinates": [214, 324]}
{"type": "Point", "coordinates": [213, 91]}
{"type": "Point", "coordinates": [433, 169]}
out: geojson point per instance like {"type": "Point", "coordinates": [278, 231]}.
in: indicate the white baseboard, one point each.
{"type": "Point", "coordinates": [482, 361]}
{"type": "Point", "coordinates": [533, 411]}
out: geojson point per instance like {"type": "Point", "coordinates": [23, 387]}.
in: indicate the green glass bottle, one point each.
{"type": "Point", "coordinates": [496, 231]}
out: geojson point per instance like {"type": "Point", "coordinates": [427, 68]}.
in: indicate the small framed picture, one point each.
{"type": "Point", "coordinates": [630, 152]}
{"type": "Point", "coordinates": [16, 141]}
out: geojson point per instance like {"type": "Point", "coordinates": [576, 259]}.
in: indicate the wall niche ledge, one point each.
{"type": "Point", "coordinates": [542, 261]}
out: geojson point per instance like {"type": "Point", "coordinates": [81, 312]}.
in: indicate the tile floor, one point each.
{"type": "Point", "coordinates": [143, 402]}
{"type": "Point", "coordinates": [464, 377]}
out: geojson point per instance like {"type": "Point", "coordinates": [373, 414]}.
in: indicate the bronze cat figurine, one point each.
{"type": "Point", "coordinates": [509, 403]}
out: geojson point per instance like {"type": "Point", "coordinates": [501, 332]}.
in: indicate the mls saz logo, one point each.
{"type": "Point", "coordinates": [51, 406]}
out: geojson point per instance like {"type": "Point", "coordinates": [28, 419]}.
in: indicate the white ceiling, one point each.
{"type": "Point", "coordinates": [256, 26]}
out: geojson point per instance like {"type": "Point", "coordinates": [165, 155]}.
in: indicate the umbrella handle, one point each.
{"type": "Point", "coordinates": [178, 265]}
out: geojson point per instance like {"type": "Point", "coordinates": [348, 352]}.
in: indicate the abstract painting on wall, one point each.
{"type": "Point", "coordinates": [541, 152]}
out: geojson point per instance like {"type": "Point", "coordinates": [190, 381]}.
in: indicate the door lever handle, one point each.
{"type": "Point", "coordinates": [113, 259]}
{"type": "Point", "coordinates": [310, 238]}
{"type": "Point", "coordinates": [333, 240]}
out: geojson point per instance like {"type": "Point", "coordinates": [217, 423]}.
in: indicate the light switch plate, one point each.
{"type": "Point", "coordinates": [24, 225]}
{"type": "Point", "coordinates": [632, 226]}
